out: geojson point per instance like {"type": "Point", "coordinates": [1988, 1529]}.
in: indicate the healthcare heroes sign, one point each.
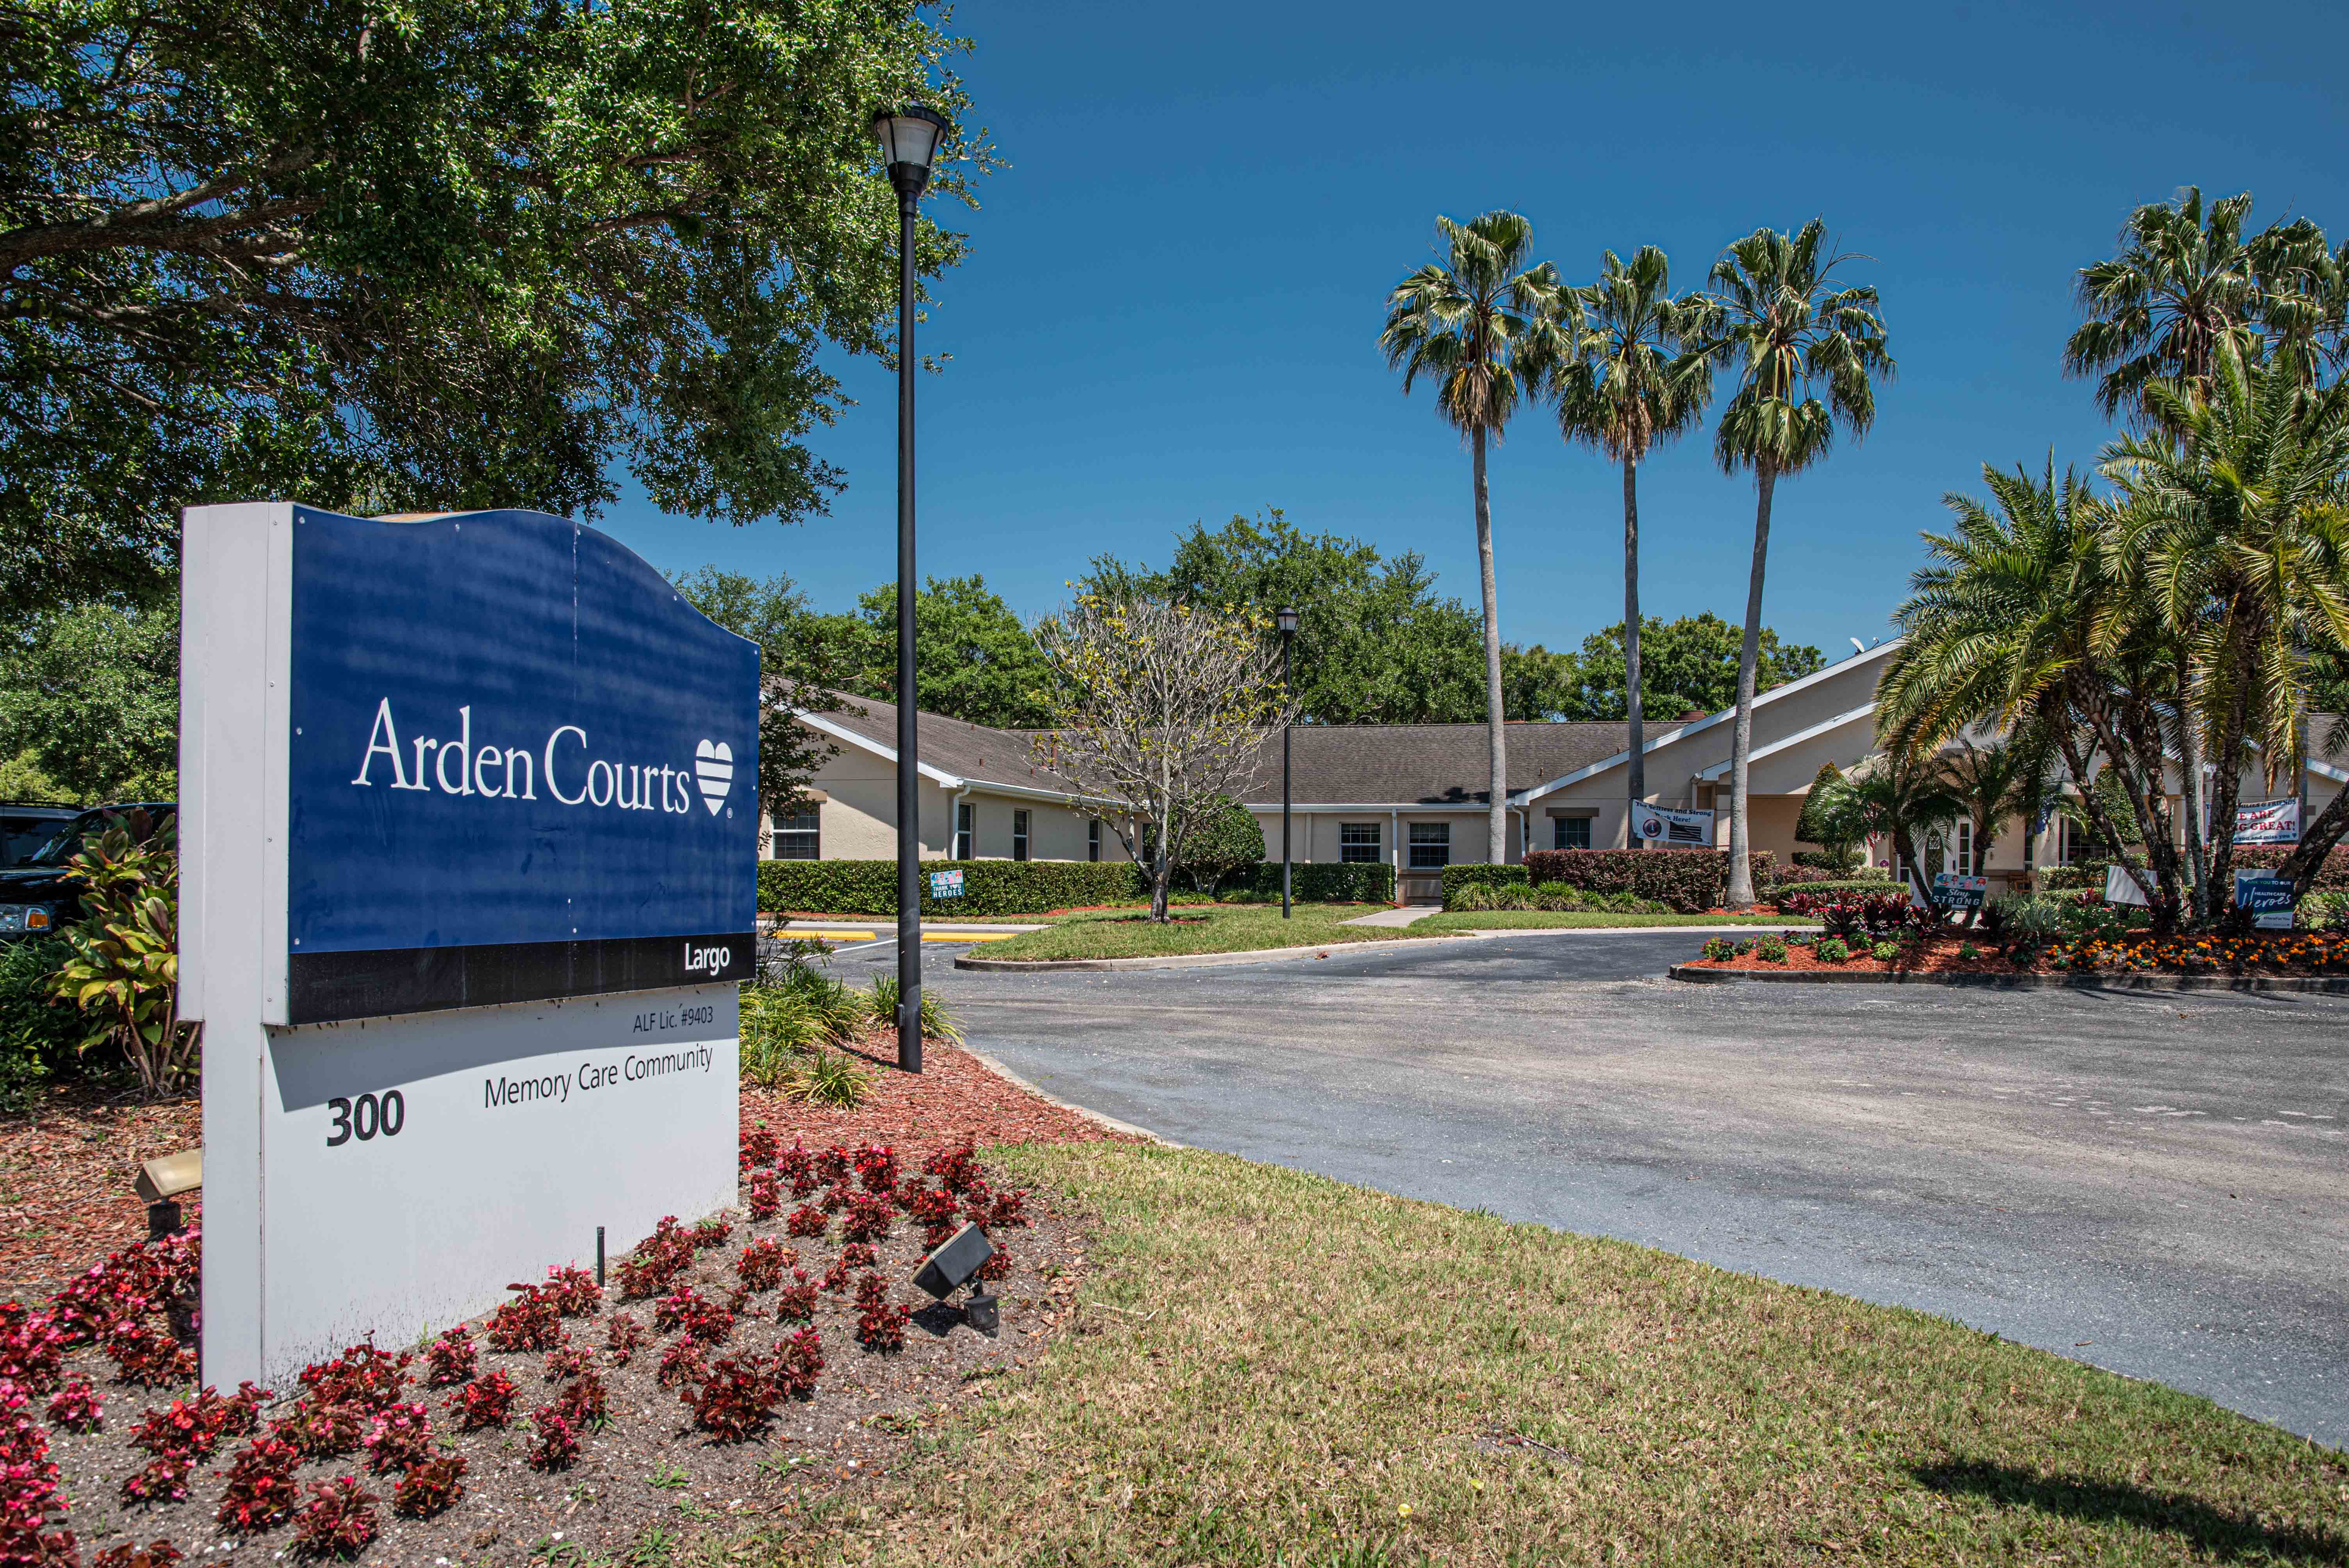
{"type": "Point", "coordinates": [521, 766]}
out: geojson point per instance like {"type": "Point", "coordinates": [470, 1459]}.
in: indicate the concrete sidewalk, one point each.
{"type": "Point", "coordinates": [1396, 917]}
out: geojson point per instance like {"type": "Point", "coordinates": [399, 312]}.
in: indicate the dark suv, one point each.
{"type": "Point", "coordinates": [36, 899]}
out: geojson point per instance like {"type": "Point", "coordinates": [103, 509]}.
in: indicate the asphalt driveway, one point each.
{"type": "Point", "coordinates": [2156, 1183]}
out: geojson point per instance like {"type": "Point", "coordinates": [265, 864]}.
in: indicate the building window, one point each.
{"type": "Point", "coordinates": [2071, 843]}
{"type": "Point", "coordinates": [799, 838]}
{"type": "Point", "coordinates": [1569, 832]}
{"type": "Point", "coordinates": [962, 831]}
{"type": "Point", "coordinates": [1430, 845]}
{"type": "Point", "coordinates": [1019, 835]}
{"type": "Point", "coordinates": [1966, 867]}
{"type": "Point", "coordinates": [1092, 839]}
{"type": "Point", "coordinates": [1358, 843]}
{"type": "Point", "coordinates": [2030, 845]}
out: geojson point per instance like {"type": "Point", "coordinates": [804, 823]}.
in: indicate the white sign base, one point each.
{"type": "Point", "coordinates": [410, 1169]}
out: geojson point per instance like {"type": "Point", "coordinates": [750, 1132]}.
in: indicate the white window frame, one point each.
{"type": "Point", "coordinates": [1438, 839]}
{"type": "Point", "coordinates": [808, 838]}
{"type": "Point", "coordinates": [1561, 826]}
{"type": "Point", "coordinates": [1377, 845]}
{"type": "Point", "coordinates": [1093, 839]}
{"type": "Point", "coordinates": [966, 815]}
{"type": "Point", "coordinates": [1020, 835]}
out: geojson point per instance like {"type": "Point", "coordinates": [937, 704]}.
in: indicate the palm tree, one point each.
{"type": "Point", "coordinates": [1483, 325]}
{"type": "Point", "coordinates": [2183, 283]}
{"type": "Point", "coordinates": [2238, 515]}
{"type": "Point", "coordinates": [1635, 374]}
{"type": "Point", "coordinates": [1894, 795]}
{"type": "Point", "coordinates": [1791, 331]}
{"type": "Point", "coordinates": [2029, 620]}
{"type": "Point", "coordinates": [1997, 782]}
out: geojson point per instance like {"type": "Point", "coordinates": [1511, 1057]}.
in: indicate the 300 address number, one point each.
{"type": "Point", "coordinates": [366, 1116]}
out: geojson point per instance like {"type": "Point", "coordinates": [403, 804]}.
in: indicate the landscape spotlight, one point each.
{"type": "Point", "coordinates": [955, 1263]}
{"type": "Point", "coordinates": [160, 1181]}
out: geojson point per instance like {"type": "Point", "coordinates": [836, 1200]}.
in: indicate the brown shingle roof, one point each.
{"type": "Point", "coordinates": [1424, 764]}
{"type": "Point", "coordinates": [972, 751]}
{"type": "Point", "coordinates": [1354, 764]}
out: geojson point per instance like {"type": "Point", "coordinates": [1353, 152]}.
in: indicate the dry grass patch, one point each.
{"type": "Point", "coordinates": [1269, 1368]}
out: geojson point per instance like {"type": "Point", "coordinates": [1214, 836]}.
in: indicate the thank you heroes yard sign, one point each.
{"type": "Point", "coordinates": [520, 767]}
{"type": "Point", "coordinates": [469, 846]}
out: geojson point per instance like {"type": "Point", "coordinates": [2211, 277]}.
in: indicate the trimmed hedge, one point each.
{"type": "Point", "coordinates": [1319, 882]}
{"type": "Point", "coordinates": [1685, 880]}
{"type": "Point", "coordinates": [1479, 873]}
{"type": "Point", "coordinates": [988, 887]}
{"type": "Point", "coordinates": [1848, 884]}
{"type": "Point", "coordinates": [1030, 887]}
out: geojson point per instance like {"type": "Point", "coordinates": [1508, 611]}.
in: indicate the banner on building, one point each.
{"type": "Point", "coordinates": [2267, 821]}
{"type": "Point", "coordinates": [1670, 828]}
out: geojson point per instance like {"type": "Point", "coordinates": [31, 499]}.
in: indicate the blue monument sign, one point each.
{"type": "Point", "coordinates": [521, 766]}
{"type": "Point", "coordinates": [469, 837]}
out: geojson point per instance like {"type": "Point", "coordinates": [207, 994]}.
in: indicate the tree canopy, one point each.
{"type": "Point", "coordinates": [1375, 643]}
{"type": "Point", "coordinates": [461, 255]}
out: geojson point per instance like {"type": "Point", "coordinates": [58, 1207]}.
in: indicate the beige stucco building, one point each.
{"type": "Point", "coordinates": [1413, 796]}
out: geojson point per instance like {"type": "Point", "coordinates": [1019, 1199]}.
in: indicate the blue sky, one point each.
{"type": "Point", "coordinates": [1171, 307]}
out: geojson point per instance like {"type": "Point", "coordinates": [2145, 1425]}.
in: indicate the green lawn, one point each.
{"type": "Point", "coordinates": [1198, 928]}
{"type": "Point", "coordinates": [1551, 920]}
{"type": "Point", "coordinates": [1269, 1368]}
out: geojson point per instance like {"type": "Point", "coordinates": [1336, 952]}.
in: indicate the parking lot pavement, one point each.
{"type": "Point", "coordinates": [2152, 1182]}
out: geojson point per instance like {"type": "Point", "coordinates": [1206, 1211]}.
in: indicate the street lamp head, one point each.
{"type": "Point", "coordinates": [910, 138]}
{"type": "Point", "coordinates": [1286, 619]}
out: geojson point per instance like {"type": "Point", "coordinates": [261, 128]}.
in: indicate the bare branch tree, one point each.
{"type": "Point", "coordinates": [1164, 708]}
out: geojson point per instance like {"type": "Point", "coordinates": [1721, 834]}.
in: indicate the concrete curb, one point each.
{"type": "Point", "coordinates": [1632, 930]}
{"type": "Point", "coordinates": [1095, 1116]}
{"type": "Point", "coordinates": [2328, 985]}
{"type": "Point", "coordinates": [1189, 960]}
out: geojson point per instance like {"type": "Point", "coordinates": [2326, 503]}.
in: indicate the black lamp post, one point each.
{"type": "Point", "coordinates": [1286, 619]}
{"type": "Point", "coordinates": [908, 137]}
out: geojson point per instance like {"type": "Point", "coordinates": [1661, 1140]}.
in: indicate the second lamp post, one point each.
{"type": "Point", "coordinates": [910, 138]}
{"type": "Point", "coordinates": [1286, 619]}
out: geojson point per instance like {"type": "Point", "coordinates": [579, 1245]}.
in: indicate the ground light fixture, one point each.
{"type": "Point", "coordinates": [957, 1263]}
{"type": "Point", "coordinates": [1285, 618]}
{"type": "Point", "coordinates": [909, 138]}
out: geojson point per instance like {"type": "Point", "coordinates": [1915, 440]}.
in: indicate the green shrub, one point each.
{"type": "Point", "coordinates": [1227, 841]}
{"type": "Point", "coordinates": [1319, 883]}
{"type": "Point", "coordinates": [34, 1027]}
{"type": "Point", "coordinates": [1967, 950]}
{"type": "Point", "coordinates": [938, 1024]}
{"type": "Point", "coordinates": [1884, 951]}
{"type": "Point", "coordinates": [2322, 911]}
{"type": "Point", "coordinates": [1720, 949]}
{"type": "Point", "coordinates": [1684, 880]}
{"type": "Point", "coordinates": [989, 887]}
{"type": "Point", "coordinates": [1770, 949]}
{"type": "Point", "coordinates": [992, 888]}
{"type": "Point", "coordinates": [1848, 884]}
{"type": "Point", "coordinates": [1833, 950]}
{"type": "Point", "coordinates": [2332, 873]}
{"type": "Point", "coordinates": [1479, 873]}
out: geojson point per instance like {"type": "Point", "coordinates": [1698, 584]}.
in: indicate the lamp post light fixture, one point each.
{"type": "Point", "coordinates": [910, 137]}
{"type": "Point", "coordinates": [1286, 619]}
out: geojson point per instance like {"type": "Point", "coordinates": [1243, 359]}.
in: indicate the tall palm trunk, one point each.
{"type": "Point", "coordinates": [2233, 723]}
{"type": "Point", "coordinates": [1639, 769]}
{"type": "Point", "coordinates": [1749, 659]}
{"type": "Point", "coordinates": [1497, 821]}
{"type": "Point", "coordinates": [2190, 763]}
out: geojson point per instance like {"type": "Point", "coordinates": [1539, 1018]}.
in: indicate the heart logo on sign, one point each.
{"type": "Point", "coordinates": [713, 764]}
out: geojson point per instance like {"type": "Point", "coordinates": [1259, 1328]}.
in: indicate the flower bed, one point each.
{"type": "Point", "coordinates": [2278, 954]}
{"type": "Point", "coordinates": [569, 1423]}
{"type": "Point", "coordinates": [64, 1179]}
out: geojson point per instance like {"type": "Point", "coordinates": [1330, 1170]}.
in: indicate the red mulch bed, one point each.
{"type": "Point", "coordinates": [65, 1178]}
{"type": "Point", "coordinates": [66, 1171]}
{"type": "Point", "coordinates": [2300, 955]}
{"type": "Point", "coordinates": [955, 1100]}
